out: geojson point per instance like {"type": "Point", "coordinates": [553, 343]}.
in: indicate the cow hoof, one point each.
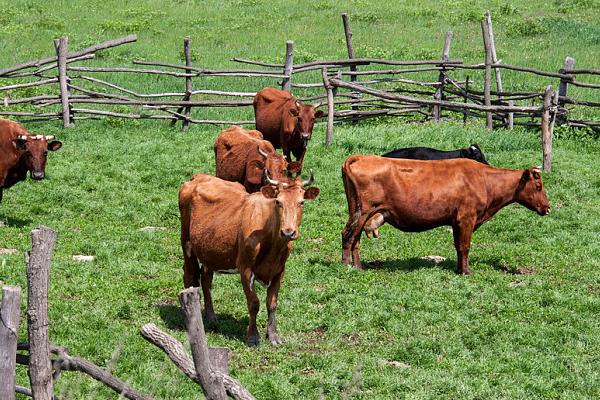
{"type": "Point", "coordinates": [466, 271]}
{"type": "Point", "coordinates": [274, 339]}
{"type": "Point", "coordinates": [252, 341]}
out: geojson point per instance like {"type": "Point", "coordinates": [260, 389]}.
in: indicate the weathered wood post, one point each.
{"type": "Point", "coordinates": [38, 272]}
{"type": "Point", "coordinates": [188, 86]}
{"type": "Point", "coordinates": [487, 99]}
{"type": "Point", "coordinates": [61, 46]}
{"type": "Point", "coordinates": [439, 93]}
{"type": "Point", "coordinates": [330, 108]}
{"type": "Point", "coordinates": [488, 20]}
{"type": "Point", "coordinates": [510, 120]}
{"type": "Point", "coordinates": [349, 45]}
{"type": "Point", "coordinates": [211, 382]}
{"type": "Point", "coordinates": [10, 312]}
{"type": "Point", "coordinates": [562, 88]}
{"type": "Point", "coordinates": [547, 131]}
{"type": "Point", "coordinates": [286, 84]}
{"type": "Point", "coordinates": [465, 111]}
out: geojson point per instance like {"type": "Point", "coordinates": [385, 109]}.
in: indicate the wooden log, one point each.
{"type": "Point", "coordinates": [465, 101]}
{"type": "Point", "coordinates": [350, 47]}
{"type": "Point", "coordinates": [366, 61]}
{"type": "Point", "coordinates": [30, 84]}
{"type": "Point", "coordinates": [576, 71]}
{"type": "Point", "coordinates": [546, 132]}
{"type": "Point", "coordinates": [38, 72]}
{"type": "Point", "coordinates": [10, 313]}
{"type": "Point", "coordinates": [38, 272]}
{"type": "Point", "coordinates": [585, 85]}
{"type": "Point", "coordinates": [534, 71]}
{"type": "Point", "coordinates": [439, 93]}
{"type": "Point", "coordinates": [175, 351]}
{"type": "Point", "coordinates": [497, 75]}
{"type": "Point", "coordinates": [330, 107]}
{"type": "Point", "coordinates": [562, 87]}
{"type": "Point", "coordinates": [252, 62]}
{"type": "Point", "coordinates": [488, 74]}
{"type": "Point", "coordinates": [430, 102]}
{"type": "Point", "coordinates": [194, 103]}
{"type": "Point", "coordinates": [211, 382]}
{"type": "Point", "coordinates": [61, 51]}
{"type": "Point", "coordinates": [286, 84]}
{"type": "Point", "coordinates": [91, 49]}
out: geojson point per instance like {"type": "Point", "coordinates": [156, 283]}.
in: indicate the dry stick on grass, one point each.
{"type": "Point", "coordinates": [91, 49]}
{"type": "Point", "coordinates": [210, 381]}
{"type": "Point", "coordinates": [10, 312]}
{"type": "Point", "coordinates": [174, 349]}
{"type": "Point", "coordinates": [38, 272]}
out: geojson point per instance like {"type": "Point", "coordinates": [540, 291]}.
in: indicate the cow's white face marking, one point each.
{"type": "Point", "coordinates": [188, 248]}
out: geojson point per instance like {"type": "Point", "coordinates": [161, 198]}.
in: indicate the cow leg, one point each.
{"type": "Point", "coordinates": [206, 280]}
{"type": "Point", "coordinates": [272, 293]}
{"type": "Point", "coordinates": [351, 240]}
{"type": "Point", "coordinates": [0, 195]}
{"type": "Point", "coordinates": [191, 269]}
{"type": "Point", "coordinates": [462, 242]}
{"type": "Point", "coordinates": [252, 338]}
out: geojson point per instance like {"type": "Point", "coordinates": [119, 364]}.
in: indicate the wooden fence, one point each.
{"type": "Point", "coordinates": [352, 92]}
{"type": "Point", "coordinates": [207, 366]}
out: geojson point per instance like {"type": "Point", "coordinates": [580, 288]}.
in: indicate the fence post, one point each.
{"type": "Point", "coordinates": [188, 86]}
{"type": "Point", "coordinates": [211, 383]}
{"type": "Point", "coordinates": [488, 19]}
{"type": "Point", "coordinates": [510, 119]}
{"type": "Point", "coordinates": [10, 312]}
{"type": "Point", "coordinates": [286, 84]}
{"type": "Point", "coordinates": [38, 271]}
{"type": "Point", "coordinates": [330, 104]}
{"type": "Point", "coordinates": [349, 45]}
{"type": "Point", "coordinates": [61, 46]}
{"type": "Point", "coordinates": [562, 88]}
{"type": "Point", "coordinates": [547, 131]}
{"type": "Point", "coordinates": [439, 93]}
{"type": "Point", "coordinates": [465, 113]}
{"type": "Point", "coordinates": [488, 75]}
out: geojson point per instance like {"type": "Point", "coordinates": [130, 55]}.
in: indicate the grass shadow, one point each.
{"type": "Point", "coordinates": [14, 222]}
{"type": "Point", "coordinates": [225, 325]}
{"type": "Point", "coordinates": [407, 265]}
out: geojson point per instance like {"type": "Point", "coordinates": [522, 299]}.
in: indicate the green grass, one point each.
{"type": "Point", "coordinates": [403, 329]}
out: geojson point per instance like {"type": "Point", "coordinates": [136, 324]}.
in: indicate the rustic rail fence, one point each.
{"type": "Point", "coordinates": [354, 88]}
{"type": "Point", "coordinates": [206, 366]}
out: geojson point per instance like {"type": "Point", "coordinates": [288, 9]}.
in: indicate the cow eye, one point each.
{"type": "Point", "coordinates": [278, 203]}
{"type": "Point", "coordinates": [301, 204]}
{"type": "Point", "coordinates": [45, 153]}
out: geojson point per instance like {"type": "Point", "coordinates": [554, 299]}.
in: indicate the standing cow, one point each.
{"type": "Point", "coordinates": [416, 196]}
{"type": "Point", "coordinates": [284, 121]}
{"type": "Point", "coordinates": [243, 156]}
{"type": "Point", "coordinates": [227, 229]}
{"type": "Point", "coordinates": [423, 153]}
{"type": "Point", "coordinates": [21, 152]}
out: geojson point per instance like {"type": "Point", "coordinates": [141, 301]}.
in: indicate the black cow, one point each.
{"type": "Point", "coordinates": [426, 153]}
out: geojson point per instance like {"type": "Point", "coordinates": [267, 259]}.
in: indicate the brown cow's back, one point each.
{"type": "Point", "coordinates": [9, 130]}
{"type": "Point", "coordinates": [269, 106]}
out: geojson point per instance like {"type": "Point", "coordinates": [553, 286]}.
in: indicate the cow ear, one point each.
{"type": "Point", "coordinates": [294, 111]}
{"type": "Point", "coordinates": [312, 193]}
{"type": "Point", "coordinates": [20, 144]}
{"type": "Point", "coordinates": [254, 172]}
{"type": "Point", "coordinates": [319, 113]}
{"type": "Point", "coordinates": [54, 145]}
{"type": "Point", "coordinates": [270, 192]}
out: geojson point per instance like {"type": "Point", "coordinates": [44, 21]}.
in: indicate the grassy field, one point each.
{"type": "Point", "coordinates": [524, 325]}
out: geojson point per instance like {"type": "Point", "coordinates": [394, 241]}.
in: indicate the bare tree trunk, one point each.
{"type": "Point", "coordinates": [211, 383]}
{"type": "Point", "coordinates": [10, 313]}
{"type": "Point", "coordinates": [38, 272]}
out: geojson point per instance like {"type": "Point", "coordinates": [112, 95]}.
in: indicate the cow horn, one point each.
{"type": "Point", "coordinates": [310, 180]}
{"type": "Point", "coordinates": [317, 105]}
{"type": "Point", "coordinates": [537, 169]}
{"type": "Point", "coordinates": [22, 137]}
{"type": "Point", "coordinates": [262, 152]}
{"type": "Point", "coordinates": [269, 180]}
{"type": "Point", "coordinates": [298, 104]}
{"type": "Point", "coordinates": [49, 137]}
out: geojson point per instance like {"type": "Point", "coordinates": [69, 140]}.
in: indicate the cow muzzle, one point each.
{"type": "Point", "coordinates": [37, 175]}
{"type": "Point", "coordinates": [544, 211]}
{"type": "Point", "coordinates": [289, 234]}
{"type": "Point", "coordinates": [305, 136]}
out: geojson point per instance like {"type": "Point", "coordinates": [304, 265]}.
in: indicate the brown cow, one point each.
{"type": "Point", "coordinates": [21, 152]}
{"type": "Point", "coordinates": [243, 156]}
{"type": "Point", "coordinates": [415, 195]}
{"type": "Point", "coordinates": [284, 121]}
{"type": "Point", "coordinates": [227, 229]}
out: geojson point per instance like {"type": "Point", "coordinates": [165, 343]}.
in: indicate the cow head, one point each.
{"type": "Point", "coordinates": [531, 193]}
{"type": "Point", "coordinates": [34, 152]}
{"type": "Point", "coordinates": [305, 116]}
{"type": "Point", "coordinates": [289, 200]}
{"type": "Point", "coordinates": [474, 153]}
{"type": "Point", "coordinates": [263, 161]}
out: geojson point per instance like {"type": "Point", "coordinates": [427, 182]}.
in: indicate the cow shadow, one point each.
{"type": "Point", "coordinates": [408, 264]}
{"type": "Point", "coordinates": [14, 222]}
{"type": "Point", "coordinates": [226, 324]}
